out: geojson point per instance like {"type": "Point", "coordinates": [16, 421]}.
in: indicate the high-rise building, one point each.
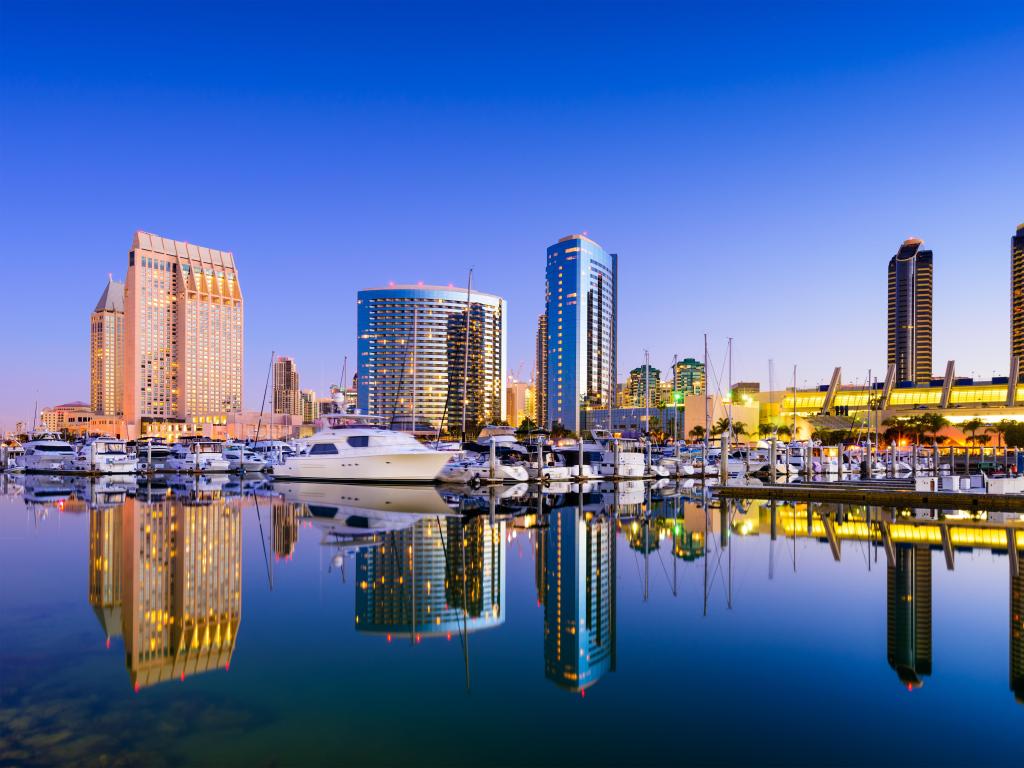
{"type": "Point", "coordinates": [581, 293]}
{"type": "Point", "coordinates": [540, 380]}
{"type": "Point", "coordinates": [287, 398]}
{"type": "Point", "coordinates": [909, 613]}
{"type": "Point", "coordinates": [310, 406]}
{"type": "Point", "coordinates": [1017, 293]}
{"type": "Point", "coordinates": [689, 377]}
{"type": "Point", "coordinates": [415, 367]}
{"type": "Point", "coordinates": [106, 351]}
{"type": "Point", "coordinates": [910, 312]}
{"type": "Point", "coordinates": [183, 336]}
{"type": "Point", "coordinates": [641, 381]}
{"type": "Point", "coordinates": [579, 596]}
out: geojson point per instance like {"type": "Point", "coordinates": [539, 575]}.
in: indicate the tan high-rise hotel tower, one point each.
{"type": "Point", "coordinates": [183, 337]}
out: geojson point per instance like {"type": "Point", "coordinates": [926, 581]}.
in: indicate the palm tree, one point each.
{"type": "Point", "coordinates": [764, 429]}
{"type": "Point", "coordinates": [739, 429]}
{"type": "Point", "coordinates": [697, 433]}
{"type": "Point", "coordinates": [895, 427]}
{"type": "Point", "coordinates": [931, 424]}
{"type": "Point", "coordinates": [1001, 429]}
{"type": "Point", "coordinates": [720, 427]}
{"type": "Point", "coordinates": [972, 426]}
{"type": "Point", "coordinates": [784, 431]}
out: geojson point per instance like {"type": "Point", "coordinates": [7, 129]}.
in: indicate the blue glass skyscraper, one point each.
{"type": "Point", "coordinates": [581, 297]}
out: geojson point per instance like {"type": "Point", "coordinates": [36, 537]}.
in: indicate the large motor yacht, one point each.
{"type": "Point", "coordinates": [46, 452]}
{"type": "Point", "coordinates": [359, 447]}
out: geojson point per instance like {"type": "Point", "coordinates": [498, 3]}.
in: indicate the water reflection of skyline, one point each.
{"type": "Point", "coordinates": [166, 577]}
{"type": "Point", "coordinates": [165, 568]}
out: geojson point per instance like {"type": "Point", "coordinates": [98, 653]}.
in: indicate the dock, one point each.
{"type": "Point", "coordinates": [875, 492]}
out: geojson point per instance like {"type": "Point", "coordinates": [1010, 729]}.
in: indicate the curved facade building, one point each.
{"type": "Point", "coordinates": [910, 312]}
{"type": "Point", "coordinates": [413, 365]}
{"type": "Point", "coordinates": [581, 293]}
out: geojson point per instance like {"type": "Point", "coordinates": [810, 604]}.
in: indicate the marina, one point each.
{"type": "Point", "coordinates": [327, 605]}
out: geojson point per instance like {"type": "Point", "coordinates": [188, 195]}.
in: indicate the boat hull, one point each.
{"type": "Point", "coordinates": [422, 467]}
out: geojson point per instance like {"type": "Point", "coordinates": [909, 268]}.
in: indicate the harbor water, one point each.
{"type": "Point", "coordinates": [219, 621]}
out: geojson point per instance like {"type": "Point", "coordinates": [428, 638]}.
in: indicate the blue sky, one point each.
{"type": "Point", "coordinates": [753, 164]}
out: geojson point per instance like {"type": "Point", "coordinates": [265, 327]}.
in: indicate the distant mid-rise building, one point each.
{"type": "Point", "coordinates": [540, 379]}
{"type": "Point", "coordinates": [183, 336]}
{"type": "Point", "coordinates": [106, 351]}
{"type": "Point", "coordinates": [910, 312]}
{"type": "Point", "coordinates": [1017, 293]}
{"type": "Point", "coordinates": [310, 406]}
{"type": "Point", "coordinates": [73, 417]}
{"type": "Point", "coordinates": [643, 383]}
{"type": "Point", "coordinates": [581, 294]}
{"type": "Point", "coordinates": [415, 366]}
{"type": "Point", "coordinates": [689, 377]}
{"type": "Point", "coordinates": [743, 389]}
{"type": "Point", "coordinates": [287, 397]}
{"type": "Point", "coordinates": [516, 393]}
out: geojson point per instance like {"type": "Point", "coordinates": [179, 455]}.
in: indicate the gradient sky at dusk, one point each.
{"type": "Point", "coordinates": [754, 165]}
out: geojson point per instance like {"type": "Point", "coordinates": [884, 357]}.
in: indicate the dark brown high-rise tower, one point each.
{"type": "Point", "coordinates": [910, 312]}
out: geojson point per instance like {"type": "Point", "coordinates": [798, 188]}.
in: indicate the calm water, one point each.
{"type": "Point", "coordinates": [253, 624]}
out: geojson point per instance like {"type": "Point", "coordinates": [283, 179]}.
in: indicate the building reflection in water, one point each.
{"type": "Point", "coordinates": [909, 613]}
{"type": "Point", "coordinates": [1017, 636]}
{"type": "Point", "coordinates": [439, 576]}
{"type": "Point", "coordinates": [579, 594]}
{"type": "Point", "coordinates": [170, 574]}
{"type": "Point", "coordinates": [285, 517]}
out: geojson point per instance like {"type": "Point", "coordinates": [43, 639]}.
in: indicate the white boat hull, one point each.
{"type": "Point", "coordinates": [422, 466]}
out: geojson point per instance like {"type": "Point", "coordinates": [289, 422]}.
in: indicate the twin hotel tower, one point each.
{"type": "Point", "coordinates": [167, 350]}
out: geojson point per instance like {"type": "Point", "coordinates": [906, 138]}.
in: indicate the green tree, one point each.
{"type": "Point", "coordinates": [697, 433]}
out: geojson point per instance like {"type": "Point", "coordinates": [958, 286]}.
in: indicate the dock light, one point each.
{"type": "Point", "coordinates": [389, 637]}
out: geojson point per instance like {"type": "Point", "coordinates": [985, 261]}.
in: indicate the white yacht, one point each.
{"type": "Point", "coordinates": [10, 457]}
{"type": "Point", "coordinates": [606, 456]}
{"type": "Point", "coordinates": [241, 459]}
{"type": "Point", "coordinates": [46, 452]}
{"type": "Point", "coordinates": [358, 447]}
{"type": "Point", "coordinates": [104, 456]}
{"type": "Point", "coordinates": [152, 453]}
{"type": "Point", "coordinates": [198, 456]}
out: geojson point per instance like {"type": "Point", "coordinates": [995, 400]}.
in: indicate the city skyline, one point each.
{"type": "Point", "coordinates": [671, 214]}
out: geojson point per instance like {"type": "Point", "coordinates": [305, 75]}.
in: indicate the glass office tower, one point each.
{"type": "Point", "coordinates": [581, 296]}
{"type": "Point", "coordinates": [413, 365]}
